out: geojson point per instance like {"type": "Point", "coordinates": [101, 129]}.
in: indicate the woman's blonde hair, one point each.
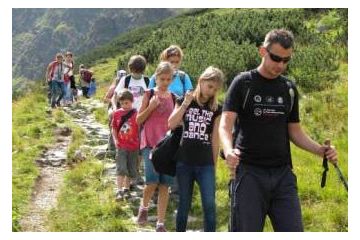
{"type": "Point", "coordinates": [173, 50]}
{"type": "Point", "coordinates": [164, 67]}
{"type": "Point", "coordinates": [210, 74]}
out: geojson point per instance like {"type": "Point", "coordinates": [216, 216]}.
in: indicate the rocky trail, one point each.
{"type": "Point", "coordinates": [52, 165]}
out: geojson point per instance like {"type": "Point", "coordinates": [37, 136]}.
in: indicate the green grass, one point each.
{"type": "Point", "coordinates": [86, 203]}
{"type": "Point", "coordinates": [32, 132]}
{"type": "Point", "coordinates": [77, 139]}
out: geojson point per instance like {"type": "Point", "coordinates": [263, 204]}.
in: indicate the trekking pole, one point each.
{"type": "Point", "coordinates": [231, 193]}
{"type": "Point", "coordinates": [337, 169]}
{"type": "Point", "coordinates": [341, 176]}
{"type": "Point", "coordinates": [232, 199]}
{"type": "Point", "coordinates": [325, 166]}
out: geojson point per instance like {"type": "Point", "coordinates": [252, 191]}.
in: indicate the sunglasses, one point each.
{"type": "Point", "coordinates": [277, 58]}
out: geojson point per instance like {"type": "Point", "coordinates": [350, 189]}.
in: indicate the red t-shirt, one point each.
{"type": "Point", "coordinates": [128, 136]}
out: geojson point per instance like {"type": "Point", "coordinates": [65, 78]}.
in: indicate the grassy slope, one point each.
{"type": "Point", "coordinates": [32, 132]}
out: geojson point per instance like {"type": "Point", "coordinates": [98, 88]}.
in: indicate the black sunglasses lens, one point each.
{"type": "Point", "coordinates": [277, 59]}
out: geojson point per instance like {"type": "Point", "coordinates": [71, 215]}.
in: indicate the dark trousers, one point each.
{"type": "Point", "coordinates": [205, 178]}
{"type": "Point", "coordinates": [265, 191]}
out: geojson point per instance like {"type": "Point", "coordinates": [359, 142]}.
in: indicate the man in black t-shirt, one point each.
{"type": "Point", "coordinates": [262, 106]}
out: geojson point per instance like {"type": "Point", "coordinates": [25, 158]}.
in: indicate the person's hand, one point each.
{"type": "Point", "coordinates": [154, 102]}
{"type": "Point", "coordinates": [232, 160]}
{"type": "Point", "coordinates": [188, 99]}
{"type": "Point", "coordinates": [330, 153]}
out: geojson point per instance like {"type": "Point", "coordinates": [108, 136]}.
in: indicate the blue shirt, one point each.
{"type": "Point", "coordinates": [176, 85]}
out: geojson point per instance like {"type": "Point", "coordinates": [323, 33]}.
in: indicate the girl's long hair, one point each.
{"type": "Point", "coordinates": [210, 74]}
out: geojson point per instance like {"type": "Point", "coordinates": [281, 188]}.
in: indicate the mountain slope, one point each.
{"type": "Point", "coordinates": [39, 33]}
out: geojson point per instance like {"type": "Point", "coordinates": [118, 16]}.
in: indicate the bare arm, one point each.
{"type": "Point", "coordinates": [215, 141]}
{"type": "Point", "coordinates": [113, 101]}
{"type": "Point", "coordinates": [303, 141]}
{"type": "Point", "coordinates": [114, 130]}
{"type": "Point", "coordinates": [179, 111]}
{"type": "Point", "coordinates": [225, 132]}
{"type": "Point", "coordinates": [176, 116]}
{"type": "Point", "coordinates": [47, 77]}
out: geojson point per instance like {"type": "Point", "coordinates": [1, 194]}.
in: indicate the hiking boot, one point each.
{"type": "Point", "coordinates": [142, 216]}
{"type": "Point", "coordinates": [126, 194]}
{"type": "Point", "coordinates": [140, 181]}
{"type": "Point", "coordinates": [160, 228]}
{"type": "Point", "coordinates": [119, 196]}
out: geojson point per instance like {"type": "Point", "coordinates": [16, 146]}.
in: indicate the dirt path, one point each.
{"type": "Point", "coordinates": [52, 168]}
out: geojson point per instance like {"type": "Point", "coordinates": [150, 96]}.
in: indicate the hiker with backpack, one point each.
{"type": "Point", "coordinates": [263, 107]}
{"type": "Point", "coordinates": [199, 113]}
{"type": "Point", "coordinates": [137, 83]}
{"type": "Point", "coordinates": [85, 79]}
{"type": "Point", "coordinates": [125, 134]}
{"type": "Point", "coordinates": [107, 99]}
{"type": "Point", "coordinates": [55, 77]}
{"type": "Point", "coordinates": [181, 82]}
{"type": "Point", "coordinates": [69, 79]}
{"type": "Point", "coordinates": [156, 107]}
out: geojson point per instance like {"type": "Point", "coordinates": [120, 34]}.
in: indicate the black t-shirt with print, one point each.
{"type": "Point", "coordinates": [263, 108]}
{"type": "Point", "coordinates": [196, 148]}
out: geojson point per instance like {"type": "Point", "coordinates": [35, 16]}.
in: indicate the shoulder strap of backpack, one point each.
{"type": "Point", "coordinates": [291, 93]}
{"type": "Point", "coordinates": [245, 93]}
{"type": "Point", "coordinates": [173, 96]}
{"type": "Point", "coordinates": [182, 79]}
{"type": "Point", "coordinates": [127, 81]}
{"type": "Point", "coordinates": [147, 81]}
{"type": "Point", "coordinates": [247, 88]}
{"type": "Point", "coordinates": [152, 92]}
{"type": "Point", "coordinates": [125, 118]}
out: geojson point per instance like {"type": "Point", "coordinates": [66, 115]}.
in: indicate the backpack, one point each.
{"type": "Point", "coordinates": [86, 76]}
{"type": "Point", "coordinates": [128, 78]}
{"type": "Point", "coordinates": [163, 155]}
{"type": "Point", "coordinates": [92, 87]}
{"type": "Point", "coordinates": [53, 64]}
{"type": "Point", "coordinates": [182, 79]}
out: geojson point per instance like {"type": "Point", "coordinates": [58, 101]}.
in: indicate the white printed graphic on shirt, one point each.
{"type": "Point", "coordinates": [270, 108]}
{"type": "Point", "coordinates": [136, 87]}
{"type": "Point", "coordinates": [199, 120]}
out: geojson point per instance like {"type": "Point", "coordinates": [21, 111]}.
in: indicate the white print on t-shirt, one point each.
{"type": "Point", "coordinates": [136, 87]}
{"type": "Point", "coordinates": [199, 120]}
{"type": "Point", "coordinates": [125, 128]}
{"type": "Point", "coordinates": [270, 107]}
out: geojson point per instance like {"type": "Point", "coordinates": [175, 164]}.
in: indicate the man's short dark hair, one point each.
{"type": "Point", "coordinates": [281, 36]}
{"type": "Point", "coordinates": [137, 64]}
{"type": "Point", "coordinates": [125, 95]}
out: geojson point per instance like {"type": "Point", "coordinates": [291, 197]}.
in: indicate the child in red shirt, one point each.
{"type": "Point", "coordinates": [125, 133]}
